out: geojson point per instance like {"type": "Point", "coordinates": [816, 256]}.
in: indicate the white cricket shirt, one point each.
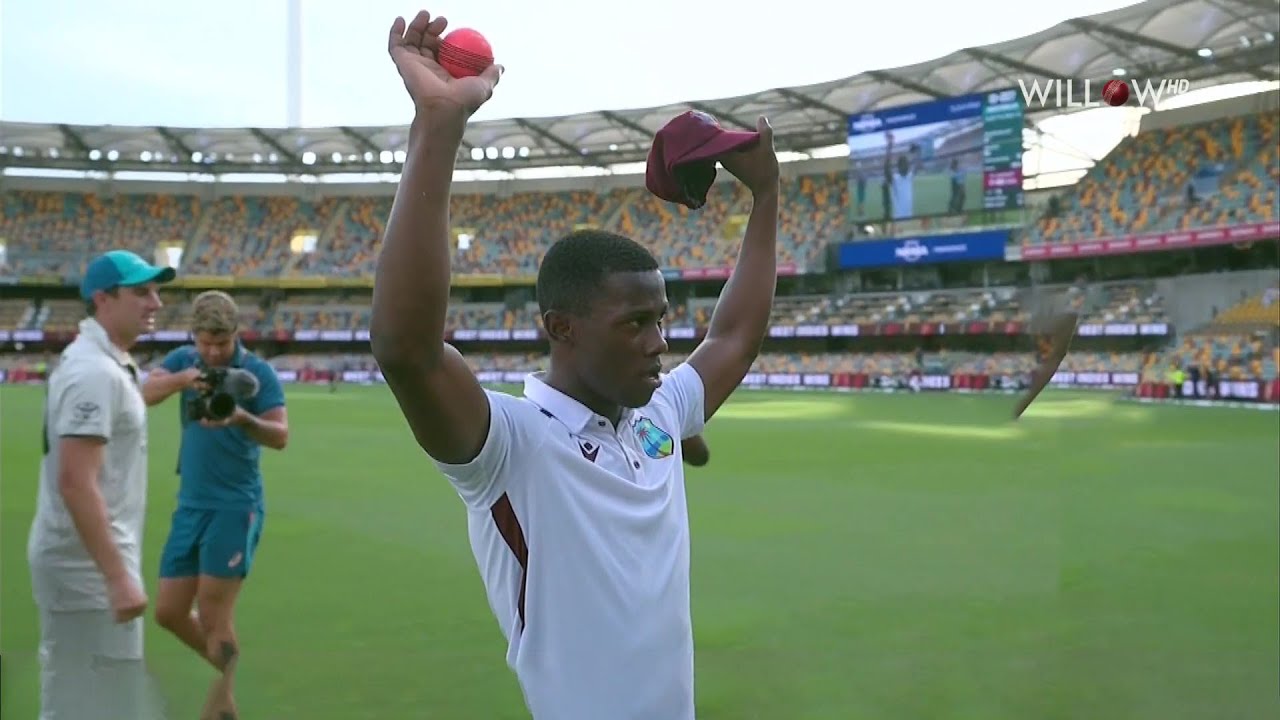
{"type": "Point", "coordinates": [581, 535]}
{"type": "Point", "coordinates": [904, 190]}
{"type": "Point", "coordinates": [93, 391]}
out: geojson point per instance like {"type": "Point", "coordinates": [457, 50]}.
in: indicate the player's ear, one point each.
{"type": "Point", "coordinates": [98, 299]}
{"type": "Point", "coordinates": [558, 326]}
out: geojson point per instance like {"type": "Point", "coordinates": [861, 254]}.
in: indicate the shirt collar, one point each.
{"type": "Point", "coordinates": [572, 413]}
{"type": "Point", "coordinates": [92, 331]}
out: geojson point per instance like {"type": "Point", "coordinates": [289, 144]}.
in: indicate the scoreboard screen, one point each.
{"type": "Point", "coordinates": [944, 157]}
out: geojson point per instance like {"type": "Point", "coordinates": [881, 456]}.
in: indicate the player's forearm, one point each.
{"type": "Point", "coordinates": [695, 451]}
{"type": "Point", "coordinates": [411, 282]}
{"type": "Point", "coordinates": [742, 313]}
{"type": "Point", "coordinates": [88, 513]}
{"type": "Point", "coordinates": [158, 388]}
{"type": "Point", "coordinates": [272, 433]}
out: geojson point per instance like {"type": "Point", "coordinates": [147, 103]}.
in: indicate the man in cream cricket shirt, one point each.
{"type": "Point", "coordinates": [85, 546]}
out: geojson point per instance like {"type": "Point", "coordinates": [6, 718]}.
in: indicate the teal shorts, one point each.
{"type": "Point", "coordinates": [220, 543]}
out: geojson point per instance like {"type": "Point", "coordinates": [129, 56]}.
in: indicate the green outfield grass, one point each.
{"type": "Point", "coordinates": [855, 556]}
{"type": "Point", "coordinates": [932, 190]}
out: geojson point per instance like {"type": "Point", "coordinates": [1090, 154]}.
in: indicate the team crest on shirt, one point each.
{"type": "Point", "coordinates": [656, 442]}
{"type": "Point", "coordinates": [84, 412]}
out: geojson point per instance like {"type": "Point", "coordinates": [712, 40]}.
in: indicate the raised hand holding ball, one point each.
{"type": "Point", "coordinates": [418, 52]}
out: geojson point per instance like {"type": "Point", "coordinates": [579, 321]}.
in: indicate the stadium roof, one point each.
{"type": "Point", "coordinates": [1204, 41]}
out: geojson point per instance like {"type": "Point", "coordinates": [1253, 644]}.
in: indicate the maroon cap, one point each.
{"type": "Point", "coordinates": [682, 160]}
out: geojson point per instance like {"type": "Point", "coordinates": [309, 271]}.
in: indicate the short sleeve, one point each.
{"type": "Point", "coordinates": [86, 405]}
{"type": "Point", "coordinates": [175, 361]}
{"type": "Point", "coordinates": [485, 478]}
{"type": "Point", "coordinates": [683, 390]}
{"type": "Point", "coordinates": [270, 391]}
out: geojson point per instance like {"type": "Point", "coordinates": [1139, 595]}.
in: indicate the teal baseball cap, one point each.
{"type": "Point", "coordinates": [121, 268]}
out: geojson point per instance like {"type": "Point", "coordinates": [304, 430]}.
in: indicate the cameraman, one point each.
{"type": "Point", "coordinates": [218, 522]}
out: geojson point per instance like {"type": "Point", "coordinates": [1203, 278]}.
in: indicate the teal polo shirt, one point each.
{"type": "Point", "coordinates": [219, 467]}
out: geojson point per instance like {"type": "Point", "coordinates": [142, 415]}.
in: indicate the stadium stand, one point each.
{"type": "Point", "coordinates": [1207, 173]}
{"type": "Point", "coordinates": [989, 304]}
{"type": "Point", "coordinates": [1257, 312]}
{"type": "Point", "coordinates": [1204, 175]}
{"type": "Point", "coordinates": [50, 233]}
{"type": "Point", "coordinates": [1210, 174]}
{"type": "Point", "coordinates": [253, 236]}
{"type": "Point", "coordinates": [16, 314]}
{"type": "Point", "coordinates": [870, 363]}
{"type": "Point", "coordinates": [1122, 302]}
{"type": "Point", "coordinates": [1239, 344]}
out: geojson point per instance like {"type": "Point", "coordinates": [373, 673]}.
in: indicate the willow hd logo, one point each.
{"type": "Point", "coordinates": [1069, 93]}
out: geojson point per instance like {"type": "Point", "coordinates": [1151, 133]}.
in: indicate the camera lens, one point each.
{"type": "Point", "coordinates": [221, 405]}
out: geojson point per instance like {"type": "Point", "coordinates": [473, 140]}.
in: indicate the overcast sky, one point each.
{"type": "Point", "coordinates": [223, 63]}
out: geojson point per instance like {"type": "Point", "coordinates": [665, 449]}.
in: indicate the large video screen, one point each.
{"type": "Point", "coordinates": [944, 157]}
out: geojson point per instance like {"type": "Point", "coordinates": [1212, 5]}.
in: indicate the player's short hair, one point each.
{"type": "Point", "coordinates": [91, 305]}
{"type": "Point", "coordinates": [214, 312]}
{"type": "Point", "coordinates": [576, 266]}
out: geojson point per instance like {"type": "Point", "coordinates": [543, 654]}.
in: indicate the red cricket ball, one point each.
{"type": "Point", "coordinates": [464, 53]}
{"type": "Point", "coordinates": [1115, 92]}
